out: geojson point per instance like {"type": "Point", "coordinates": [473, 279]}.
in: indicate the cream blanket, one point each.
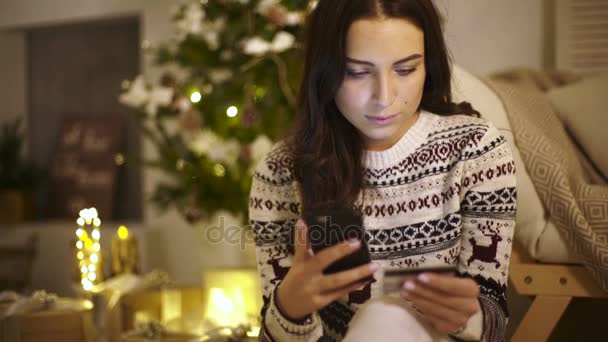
{"type": "Point", "coordinates": [578, 208]}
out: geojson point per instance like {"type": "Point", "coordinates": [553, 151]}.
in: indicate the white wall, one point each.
{"type": "Point", "coordinates": [29, 13]}
{"type": "Point", "coordinates": [12, 74]}
{"type": "Point", "coordinates": [490, 35]}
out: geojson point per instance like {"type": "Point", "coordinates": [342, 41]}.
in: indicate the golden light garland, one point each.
{"type": "Point", "coordinates": [88, 248]}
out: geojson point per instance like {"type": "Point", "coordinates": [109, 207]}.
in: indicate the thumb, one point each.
{"type": "Point", "coordinates": [301, 241]}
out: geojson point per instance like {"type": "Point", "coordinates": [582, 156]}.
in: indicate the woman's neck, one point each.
{"type": "Point", "coordinates": [385, 145]}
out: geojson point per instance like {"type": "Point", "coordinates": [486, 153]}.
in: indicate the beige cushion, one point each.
{"type": "Point", "coordinates": [583, 108]}
{"type": "Point", "coordinates": [532, 225]}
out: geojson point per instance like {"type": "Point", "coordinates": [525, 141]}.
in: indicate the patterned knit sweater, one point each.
{"type": "Point", "coordinates": [443, 194]}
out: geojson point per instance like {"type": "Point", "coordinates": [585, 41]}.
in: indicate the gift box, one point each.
{"type": "Point", "coordinates": [69, 321]}
{"type": "Point", "coordinates": [165, 337]}
{"type": "Point", "coordinates": [160, 305]}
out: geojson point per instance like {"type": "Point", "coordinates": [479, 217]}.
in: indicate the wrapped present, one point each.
{"type": "Point", "coordinates": [45, 317]}
{"type": "Point", "coordinates": [165, 337]}
{"type": "Point", "coordinates": [154, 331]}
{"type": "Point", "coordinates": [107, 297]}
{"type": "Point", "coordinates": [161, 305]}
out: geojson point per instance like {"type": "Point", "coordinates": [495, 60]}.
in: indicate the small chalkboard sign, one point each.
{"type": "Point", "coordinates": [84, 171]}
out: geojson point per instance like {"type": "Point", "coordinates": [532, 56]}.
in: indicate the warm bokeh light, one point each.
{"type": "Point", "coordinates": [219, 170]}
{"type": "Point", "coordinates": [254, 332]}
{"type": "Point", "coordinates": [123, 233]}
{"type": "Point", "coordinates": [119, 159]}
{"type": "Point", "coordinates": [232, 296]}
{"type": "Point", "coordinates": [88, 215]}
{"type": "Point", "coordinates": [232, 111]}
{"type": "Point", "coordinates": [196, 97]}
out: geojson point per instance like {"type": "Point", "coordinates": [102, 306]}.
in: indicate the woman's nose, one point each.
{"type": "Point", "coordinates": [386, 91]}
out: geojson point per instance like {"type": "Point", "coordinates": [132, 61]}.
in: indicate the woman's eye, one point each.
{"type": "Point", "coordinates": [404, 72]}
{"type": "Point", "coordinates": [356, 74]}
{"type": "Point", "coordinates": [361, 74]}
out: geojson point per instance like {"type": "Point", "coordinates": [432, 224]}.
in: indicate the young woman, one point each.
{"type": "Point", "coordinates": [377, 131]}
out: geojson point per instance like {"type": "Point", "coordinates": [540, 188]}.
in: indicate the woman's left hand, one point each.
{"type": "Point", "coordinates": [446, 300]}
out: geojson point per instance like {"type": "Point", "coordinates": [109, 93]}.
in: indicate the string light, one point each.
{"type": "Point", "coordinates": [260, 92]}
{"type": "Point", "coordinates": [89, 248]}
{"type": "Point", "coordinates": [232, 111]}
{"type": "Point", "coordinates": [219, 170]}
{"type": "Point", "coordinates": [119, 159]}
{"type": "Point", "coordinates": [196, 97]}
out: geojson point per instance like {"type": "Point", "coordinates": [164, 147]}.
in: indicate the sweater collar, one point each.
{"type": "Point", "coordinates": [411, 140]}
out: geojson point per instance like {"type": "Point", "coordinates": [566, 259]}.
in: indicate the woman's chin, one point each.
{"type": "Point", "coordinates": [379, 143]}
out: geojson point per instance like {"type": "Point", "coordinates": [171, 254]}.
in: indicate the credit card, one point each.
{"type": "Point", "coordinates": [394, 278]}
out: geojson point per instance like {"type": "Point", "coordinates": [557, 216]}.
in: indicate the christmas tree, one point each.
{"type": "Point", "coordinates": [227, 92]}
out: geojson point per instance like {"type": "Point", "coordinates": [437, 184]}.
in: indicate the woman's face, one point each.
{"type": "Point", "coordinates": [384, 79]}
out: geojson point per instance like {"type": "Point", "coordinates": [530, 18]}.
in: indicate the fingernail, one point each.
{"type": "Point", "coordinates": [424, 278]}
{"type": "Point", "coordinates": [354, 243]}
{"type": "Point", "coordinates": [409, 285]}
{"type": "Point", "coordinates": [374, 266]}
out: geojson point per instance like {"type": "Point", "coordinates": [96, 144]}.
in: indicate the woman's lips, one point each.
{"type": "Point", "coordinates": [381, 120]}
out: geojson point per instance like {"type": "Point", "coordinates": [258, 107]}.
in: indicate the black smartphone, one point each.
{"type": "Point", "coordinates": [394, 278]}
{"type": "Point", "coordinates": [328, 227]}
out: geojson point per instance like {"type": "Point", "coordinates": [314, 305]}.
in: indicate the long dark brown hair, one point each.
{"type": "Point", "coordinates": [327, 150]}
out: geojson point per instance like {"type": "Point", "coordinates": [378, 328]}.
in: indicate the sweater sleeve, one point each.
{"type": "Point", "coordinates": [487, 204]}
{"type": "Point", "coordinates": [273, 211]}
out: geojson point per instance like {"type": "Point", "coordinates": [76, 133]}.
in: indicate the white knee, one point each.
{"type": "Point", "coordinates": [390, 319]}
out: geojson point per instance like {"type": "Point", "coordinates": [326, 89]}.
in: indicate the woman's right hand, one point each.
{"type": "Point", "coordinates": [306, 289]}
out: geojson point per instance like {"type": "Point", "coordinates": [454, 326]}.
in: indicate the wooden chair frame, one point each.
{"type": "Point", "coordinates": [552, 286]}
